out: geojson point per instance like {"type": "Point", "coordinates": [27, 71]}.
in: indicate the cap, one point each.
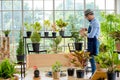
{"type": "Point", "coordinates": [88, 11]}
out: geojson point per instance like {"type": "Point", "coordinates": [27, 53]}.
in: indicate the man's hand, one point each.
{"type": "Point", "coordinates": [83, 32]}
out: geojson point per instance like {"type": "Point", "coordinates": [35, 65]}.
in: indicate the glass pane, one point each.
{"type": "Point", "coordinates": [7, 20]}
{"type": "Point", "coordinates": [100, 4]}
{"type": "Point", "coordinates": [58, 15]}
{"type": "Point", "coordinates": [69, 4]}
{"type": "Point", "coordinates": [38, 5]}
{"type": "Point", "coordinates": [89, 4]}
{"type": "Point", "coordinates": [58, 4]}
{"type": "Point", "coordinates": [79, 4]}
{"type": "Point", "coordinates": [27, 5]}
{"type": "Point", "coordinates": [48, 4]}
{"type": "Point", "coordinates": [98, 15]}
{"type": "Point", "coordinates": [6, 5]}
{"type": "Point", "coordinates": [17, 20]}
{"type": "Point", "coordinates": [48, 15]}
{"type": "Point", "coordinates": [17, 5]}
{"type": "Point", "coordinates": [110, 4]}
{"type": "Point", "coordinates": [0, 5]}
{"type": "Point", "coordinates": [28, 16]}
{"type": "Point", "coordinates": [110, 12]}
{"type": "Point", "coordinates": [0, 22]}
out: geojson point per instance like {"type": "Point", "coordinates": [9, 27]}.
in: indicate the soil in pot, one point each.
{"type": "Point", "coordinates": [70, 71]}
{"type": "Point", "coordinates": [35, 47]}
{"type": "Point", "coordinates": [54, 34]}
{"type": "Point", "coordinates": [80, 73]}
{"type": "Point", "coordinates": [78, 46]}
{"type": "Point", "coordinates": [61, 33]}
{"type": "Point", "coordinates": [111, 76]}
{"type": "Point", "coordinates": [20, 58]}
{"type": "Point", "coordinates": [46, 34]}
{"type": "Point", "coordinates": [56, 75]}
{"type": "Point", "coordinates": [28, 33]}
{"type": "Point", "coordinates": [118, 46]}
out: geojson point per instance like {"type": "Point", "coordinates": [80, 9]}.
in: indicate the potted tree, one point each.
{"type": "Point", "coordinates": [79, 59]}
{"type": "Point", "coordinates": [56, 68]}
{"type": "Point", "coordinates": [116, 35]}
{"type": "Point", "coordinates": [7, 70]}
{"type": "Point", "coordinates": [6, 32]}
{"type": "Point", "coordinates": [20, 49]}
{"type": "Point", "coordinates": [28, 28]}
{"type": "Point", "coordinates": [47, 25]}
{"type": "Point", "coordinates": [75, 36]}
{"type": "Point", "coordinates": [54, 29]}
{"type": "Point", "coordinates": [61, 24]}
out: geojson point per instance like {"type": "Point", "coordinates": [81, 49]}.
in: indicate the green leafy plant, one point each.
{"type": "Point", "coordinates": [75, 35]}
{"type": "Point", "coordinates": [56, 67]}
{"type": "Point", "coordinates": [6, 32]}
{"type": "Point", "coordinates": [47, 24]}
{"type": "Point", "coordinates": [115, 35]}
{"type": "Point", "coordinates": [61, 24]}
{"type": "Point", "coordinates": [55, 44]}
{"type": "Point", "coordinates": [35, 37]}
{"type": "Point", "coordinates": [103, 47]}
{"type": "Point", "coordinates": [20, 49]}
{"type": "Point", "coordinates": [7, 69]}
{"type": "Point", "coordinates": [37, 27]}
{"type": "Point", "coordinates": [28, 26]}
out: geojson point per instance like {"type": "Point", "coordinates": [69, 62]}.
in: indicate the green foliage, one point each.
{"type": "Point", "coordinates": [55, 44]}
{"type": "Point", "coordinates": [60, 23]}
{"type": "Point", "coordinates": [115, 35]}
{"type": "Point", "coordinates": [35, 37]}
{"type": "Point", "coordinates": [56, 67]}
{"type": "Point", "coordinates": [109, 60]}
{"type": "Point", "coordinates": [28, 26]}
{"type": "Point", "coordinates": [6, 32]}
{"type": "Point", "coordinates": [20, 49]}
{"type": "Point", "coordinates": [103, 47]}
{"type": "Point", "coordinates": [46, 24]}
{"type": "Point", "coordinates": [7, 69]}
{"type": "Point", "coordinates": [75, 35]}
{"type": "Point", "coordinates": [37, 27]}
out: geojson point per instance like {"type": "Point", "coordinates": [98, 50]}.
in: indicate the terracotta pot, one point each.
{"type": "Point", "coordinates": [56, 75]}
{"type": "Point", "coordinates": [118, 46]}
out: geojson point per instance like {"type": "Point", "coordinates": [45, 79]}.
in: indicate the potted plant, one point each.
{"type": "Point", "coordinates": [37, 27]}
{"type": "Point", "coordinates": [6, 32]}
{"type": "Point", "coordinates": [54, 29]}
{"type": "Point", "coordinates": [35, 38]}
{"type": "Point", "coordinates": [79, 59]}
{"type": "Point", "coordinates": [56, 68]}
{"type": "Point", "coordinates": [28, 28]}
{"type": "Point", "coordinates": [75, 36]}
{"type": "Point", "coordinates": [110, 61]}
{"type": "Point", "coordinates": [116, 35]}
{"type": "Point", "coordinates": [61, 24]}
{"type": "Point", "coordinates": [55, 48]}
{"type": "Point", "coordinates": [47, 25]}
{"type": "Point", "coordinates": [20, 49]}
{"type": "Point", "coordinates": [7, 70]}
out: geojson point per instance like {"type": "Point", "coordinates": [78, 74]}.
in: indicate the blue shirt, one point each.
{"type": "Point", "coordinates": [95, 29]}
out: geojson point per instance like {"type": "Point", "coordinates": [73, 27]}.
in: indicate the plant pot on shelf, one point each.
{"type": "Point", "coordinates": [61, 33]}
{"type": "Point", "coordinates": [6, 35]}
{"type": "Point", "coordinates": [35, 47]}
{"type": "Point", "coordinates": [117, 46]}
{"type": "Point", "coordinates": [28, 33]}
{"type": "Point", "coordinates": [56, 75]}
{"type": "Point", "coordinates": [80, 73]}
{"type": "Point", "coordinates": [111, 76]}
{"type": "Point", "coordinates": [20, 58]}
{"type": "Point", "coordinates": [78, 46]}
{"type": "Point", "coordinates": [53, 34]}
{"type": "Point", "coordinates": [70, 71]}
{"type": "Point", "coordinates": [46, 34]}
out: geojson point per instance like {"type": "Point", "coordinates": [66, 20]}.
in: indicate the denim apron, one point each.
{"type": "Point", "coordinates": [93, 44]}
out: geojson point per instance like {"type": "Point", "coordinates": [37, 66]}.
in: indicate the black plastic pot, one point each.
{"type": "Point", "coordinates": [78, 46]}
{"type": "Point", "coordinates": [20, 58]}
{"type": "Point", "coordinates": [36, 73]}
{"type": "Point", "coordinates": [46, 34]}
{"type": "Point", "coordinates": [61, 33]}
{"type": "Point", "coordinates": [53, 34]}
{"type": "Point", "coordinates": [35, 47]}
{"type": "Point", "coordinates": [111, 76]}
{"type": "Point", "coordinates": [80, 73]}
{"type": "Point", "coordinates": [28, 33]}
{"type": "Point", "coordinates": [6, 35]}
{"type": "Point", "coordinates": [39, 33]}
{"type": "Point", "coordinates": [70, 71]}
